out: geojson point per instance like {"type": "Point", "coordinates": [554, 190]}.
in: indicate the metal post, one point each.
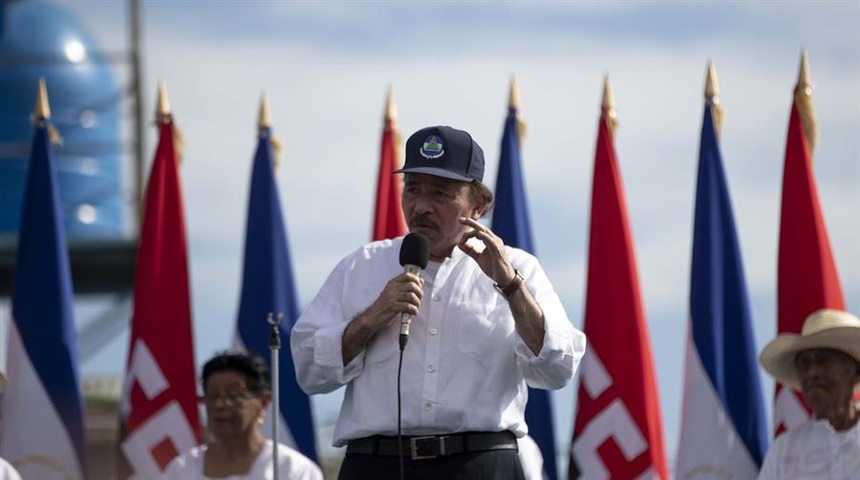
{"type": "Point", "coordinates": [274, 347]}
{"type": "Point", "coordinates": [137, 93]}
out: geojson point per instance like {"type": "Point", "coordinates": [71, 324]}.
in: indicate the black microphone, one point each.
{"type": "Point", "coordinates": [414, 254]}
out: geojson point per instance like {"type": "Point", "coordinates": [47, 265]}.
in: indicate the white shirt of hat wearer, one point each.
{"type": "Point", "coordinates": [814, 451]}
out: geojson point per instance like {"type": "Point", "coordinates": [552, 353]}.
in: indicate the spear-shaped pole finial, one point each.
{"type": "Point", "coordinates": [712, 97]}
{"type": "Point", "coordinates": [162, 106]}
{"type": "Point", "coordinates": [265, 118]}
{"type": "Point", "coordinates": [390, 106]}
{"type": "Point", "coordinates": [42, 110]}
{"type": "Point", "coordinates": [804, 79]}
{"type": "Point", "coordinates": [514, 96]}
{"type": "Point", "coordinates": [803, 102]}
{"type": "Point", "coordinates": [608, 104]}
{"type": "Point", "coordinates": [712, 88]}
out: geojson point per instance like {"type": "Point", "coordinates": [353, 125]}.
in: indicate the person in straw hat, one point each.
{"type": "Point", "coordinates": [823, 362]}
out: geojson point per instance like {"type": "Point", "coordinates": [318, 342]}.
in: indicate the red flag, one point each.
{"type": "Point", "coordinates": [806, 271]}
{"type": "Point", "coordinates": [159, 412]}
{"type": "Point", "coordinates": [617, 431]}
{"type": "Point", "coordinates": [388, 221]}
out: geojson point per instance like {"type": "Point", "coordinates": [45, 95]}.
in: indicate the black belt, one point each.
{"type": "Point", "coordinates": [432, 446]}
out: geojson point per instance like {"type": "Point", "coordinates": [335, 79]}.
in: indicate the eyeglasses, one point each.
{"type": "Point", "coordinates": [233, 399]}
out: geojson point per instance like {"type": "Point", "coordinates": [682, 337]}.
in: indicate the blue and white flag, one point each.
{"type": "Point", "coordinates": [723, 423]}
{"type": "Point", "coordinates": [268, 287]}
{"type": "Point", "coordinates": [43, 432]}
{"type": "Point", "coordinates": [511, 223]}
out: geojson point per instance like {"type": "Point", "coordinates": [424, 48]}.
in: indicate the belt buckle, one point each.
{"type": "Point", "coordinates": [419, 455]}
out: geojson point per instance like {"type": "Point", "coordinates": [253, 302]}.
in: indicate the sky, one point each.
{"type": "Point", "coordinates": [326, 66]}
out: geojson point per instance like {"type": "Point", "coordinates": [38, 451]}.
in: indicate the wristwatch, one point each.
{"type": "Point", "coordinates": [512, 287]}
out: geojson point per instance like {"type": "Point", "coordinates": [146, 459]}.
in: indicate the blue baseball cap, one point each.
{"type": "Point", "coordinates": [444, 152]}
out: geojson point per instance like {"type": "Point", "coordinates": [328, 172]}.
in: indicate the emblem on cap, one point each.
{"type": "Point", "coordinates": [432, 148]}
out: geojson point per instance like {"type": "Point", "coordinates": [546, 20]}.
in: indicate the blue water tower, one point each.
{"type": "Point", "coordinates": [38, 39]}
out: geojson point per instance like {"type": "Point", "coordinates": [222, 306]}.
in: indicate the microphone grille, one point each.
{"type": "Point", "coordinates": [415, 250]}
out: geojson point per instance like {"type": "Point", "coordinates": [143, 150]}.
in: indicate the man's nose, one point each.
{"type": "Point", "coordinates": [423, 204]}
{"type": "Point", "coordinates": [813, 369]}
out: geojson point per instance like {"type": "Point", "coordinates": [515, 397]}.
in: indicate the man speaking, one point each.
{"type": "Point", "coordinates": [483, 322]}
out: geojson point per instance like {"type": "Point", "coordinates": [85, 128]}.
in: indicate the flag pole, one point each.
{"type": "Point", "coordinates": [274, 346]}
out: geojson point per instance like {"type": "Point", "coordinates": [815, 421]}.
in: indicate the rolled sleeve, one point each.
{"type": "Point", "coordinates": [328, 354]}
{"type": "Point", "coordinates": [559, 357]}
{"type": "Point", "coordinates": [563, 345]}
{"type": "Point", "coordinates": [316, 341]}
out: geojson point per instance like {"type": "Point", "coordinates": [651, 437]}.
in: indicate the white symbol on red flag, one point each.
{"type": "Point", "coordinates": [166, 432]}
{"type": "Point", "coordinates": [611, 424]}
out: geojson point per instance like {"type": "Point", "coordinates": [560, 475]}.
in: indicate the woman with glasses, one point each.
{"type": "Point", "coordinates": [236, 395]}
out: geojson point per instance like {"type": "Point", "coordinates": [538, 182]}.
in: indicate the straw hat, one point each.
{"type": "Point", "coordinates": [833, 329]}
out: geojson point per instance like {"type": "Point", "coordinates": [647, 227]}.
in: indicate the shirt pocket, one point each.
{"type": "Point", "coordinates": [484, 334]}
{"type": "Point", "coordinates": [385, 345]}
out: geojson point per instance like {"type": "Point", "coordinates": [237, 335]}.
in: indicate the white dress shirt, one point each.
{"type": "Point", "coordinates": [464, 368]}
{"type": "Point", "coordinates": [814, 451]}
{"type": "Point", "coordinates": [531, 458]}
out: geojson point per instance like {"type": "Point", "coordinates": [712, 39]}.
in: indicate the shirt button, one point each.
{"type": "Point", "coordinates": [428, 405]}
{"type": "Point", "coordinates": [431, 368]}
{"type": "Point", "coordinates": [433, 331]}
{"type": "Point", "coordinates": [437, 298]}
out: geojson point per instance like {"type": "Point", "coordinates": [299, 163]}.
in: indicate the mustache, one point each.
{"type": "Point", "coordinates": [815, 383]}
{"type": "Point", "coordinates": [422, 220]}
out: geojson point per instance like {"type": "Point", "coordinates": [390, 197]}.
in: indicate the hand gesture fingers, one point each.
{"type": "Point", "coordinates": [492, 258]}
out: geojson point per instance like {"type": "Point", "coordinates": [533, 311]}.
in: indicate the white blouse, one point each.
{"type": "Point", "coordinates": [292, 465]}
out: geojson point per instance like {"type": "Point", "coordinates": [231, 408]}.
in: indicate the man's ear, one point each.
{"type": "Point", "coordinates": [479, 209]}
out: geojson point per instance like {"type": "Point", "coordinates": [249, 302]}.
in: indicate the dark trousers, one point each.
{"type": "Point", "coordinates": [490, 465]}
